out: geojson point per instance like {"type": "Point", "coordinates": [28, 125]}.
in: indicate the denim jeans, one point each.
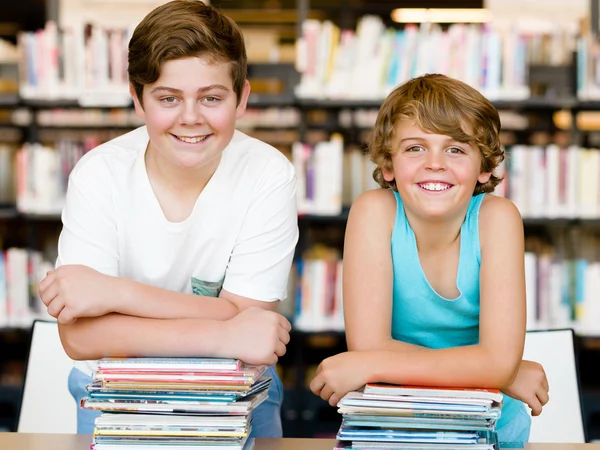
{"type": "Point", "coordinates": [266, 419]}
{"type": "Point", "coordinates": [516, 431]}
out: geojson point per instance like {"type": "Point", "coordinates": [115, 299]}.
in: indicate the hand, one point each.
{"type": "Point", "coordinates": [74, 291]}
{"type": "Point", "coordinates": [340, 374]}
{"type": "Point", "coordinates": [257, 336]}
{"type": "Point", "coordinates": [530, 386]}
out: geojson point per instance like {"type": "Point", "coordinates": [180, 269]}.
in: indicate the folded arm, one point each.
{"type": "Point", "coordinates": [101, 314]}
{"type": "Point", "coordinates": [368, 282]}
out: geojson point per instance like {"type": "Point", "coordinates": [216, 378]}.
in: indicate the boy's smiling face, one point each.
{"type": "Point", "coordinates": [191, 111]}
{"type": "Point", "coordinates": [435, 175]}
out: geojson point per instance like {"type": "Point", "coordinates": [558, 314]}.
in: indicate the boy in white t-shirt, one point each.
{"type": "Point", "coordinates": [178, 237]}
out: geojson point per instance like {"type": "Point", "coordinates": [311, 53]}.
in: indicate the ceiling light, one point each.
{"type": "Point", "coordinates": [441, 15]}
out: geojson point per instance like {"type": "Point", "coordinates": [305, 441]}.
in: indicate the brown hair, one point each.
{"type": "Point", "coordinates": [183, 29]}
{"type": "Point", "coordinates": [441, 105]}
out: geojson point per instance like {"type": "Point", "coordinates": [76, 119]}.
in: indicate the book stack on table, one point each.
{"type": "Point", "coordinates": [381, 416]}
{"type": "Point", "coordinates": [175, 403]}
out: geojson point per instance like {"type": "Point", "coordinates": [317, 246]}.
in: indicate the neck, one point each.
{"type": "Point", "coordinates": [184, 181]}
{"type": "Point", "coordinates": [435, 235]}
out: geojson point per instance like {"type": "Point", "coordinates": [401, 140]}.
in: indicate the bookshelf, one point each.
{"type": "Point", "coordinates": [304, 414]}
{"type": "Point", "coordinates": [301, 411]}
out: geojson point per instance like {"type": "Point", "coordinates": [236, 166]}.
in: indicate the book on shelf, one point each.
{"type": "Point", "coordinates": [367, 63]}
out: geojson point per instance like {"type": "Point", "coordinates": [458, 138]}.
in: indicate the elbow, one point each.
{"type": "Point", "coordinates": [73, 344]}
{"type": "Point", "coordinates": [503, 373]}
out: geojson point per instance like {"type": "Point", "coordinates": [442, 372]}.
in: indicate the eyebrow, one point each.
{"type": "Point", "coordinates": [419, 138]}
{"type": "Point", "coordinates": [178, 91]}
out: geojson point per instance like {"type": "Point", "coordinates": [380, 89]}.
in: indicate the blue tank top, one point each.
{"type": "Point", "coordinates": [422, 317]}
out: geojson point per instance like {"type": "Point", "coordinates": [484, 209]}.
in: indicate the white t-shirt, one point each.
{"type": "Point", "coordinates": [240, 236]}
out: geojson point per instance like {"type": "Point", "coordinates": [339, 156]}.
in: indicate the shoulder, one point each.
{"type": "Point", "coordinates": [374, 209]}
{"type": "Point", "coordinates": [118, 153]}
{"type": "Point", "coordinates": [499, 221]}
{"type": "Point", "coordinates": [257, 158]}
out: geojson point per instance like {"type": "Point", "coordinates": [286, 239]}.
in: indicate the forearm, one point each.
{"type": "Point", "coordinates": [144, 300]}
{"type": "Point", "coordinates": [118, 335]}
{"type": "Point", "coordinates": [390, 344]}
{"type": "Point", "coordinates": [468, 366]}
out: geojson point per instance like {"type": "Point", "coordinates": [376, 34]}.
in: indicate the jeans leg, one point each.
{"type": "Point", "coordinates": [85, 417]}
{"type": "Point", "coordinates": [516, 432]}
{"type": "Point", "coordinates": [266, 419]}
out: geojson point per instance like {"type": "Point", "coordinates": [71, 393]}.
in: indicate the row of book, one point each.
{"type": "Point", "coordinates": [552, 181]}
{"type": "Point", "coordinates": [88, 64]}
{"type": "Point", "coordinates": [367, 63]}
{"type": "Point", "coordinates": [382, 416]}
{"type": "Point", "coordinates": [42, 173]}
{"type": "Point", "coordinates": [562, 280]}
{"type": "Point", "coordinates": [315, 287]}
{"type": "Point", "coordinates": [20, 272]}
{"type": "Point", "coordinates": [175, 403]}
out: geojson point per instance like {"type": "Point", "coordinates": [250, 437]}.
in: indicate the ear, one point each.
{"type": "Point", "coordinates": [388, 173]}
{"type": "Point", "coordinates": [241, 108]}
{"type": "Point", "coordinates": [139, 110]}
{"type": "Point", "coordinates": [484, 177]}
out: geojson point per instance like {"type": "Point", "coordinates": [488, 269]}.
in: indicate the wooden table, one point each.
{"type": "Point", "coordinates": [24, 441]}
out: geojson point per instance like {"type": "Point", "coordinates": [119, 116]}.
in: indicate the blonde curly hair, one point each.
{"type": "Point", "coordinates": [441, 105]}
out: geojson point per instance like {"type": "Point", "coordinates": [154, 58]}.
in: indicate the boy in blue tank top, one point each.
{"type": "Point", "coordinates": [434, 279]}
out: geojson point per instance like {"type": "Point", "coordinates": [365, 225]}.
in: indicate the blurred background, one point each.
{"type": "Point", "coordinates": [319, 70]}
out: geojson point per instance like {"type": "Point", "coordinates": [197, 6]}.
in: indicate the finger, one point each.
{"type": "Point", "coordinates": [55, 307]}
{"type": "Point", "coordinates": [65, 317]}
{"type": "Point", "coordinates": [46, 282]}
{"type": "Point", "coordinates": [535, 405]}
{"type": "Point", "coordinates": [335, 399]}
{"type": "Point", "coordinates": [542, 396]}
{"type": "Point", "coordinates": [285, 324]}
{"type": "Point", "coordinates": [269, 360]}
{"type": "Point", "coordinates": [49, 294]}
{"type": "Point", "coordinates": [316, 385]}
{"type": "Point", "coordinates": [326, 392]}
{"type": "Point", "coordinates": [284, 336]}
{"type": "Point", "coordinates": [280, 349]}
{"type": "Point", "coordinates": [545, 383]}
{"type": "Point", "coordinates": [319, 368]}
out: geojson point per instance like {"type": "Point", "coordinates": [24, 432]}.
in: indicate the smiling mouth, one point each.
{"type": "Point", "coordinates": [191, 139]}
{"type": "Point", "coordinates": [434, 187]}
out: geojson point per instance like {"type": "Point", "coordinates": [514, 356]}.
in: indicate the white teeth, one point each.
{"type": "Point", "coordinates": [435, 186]}
{"type": "Point", "coordinates": [191, 140]}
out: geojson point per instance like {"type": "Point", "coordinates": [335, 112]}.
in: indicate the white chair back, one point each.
{"type": "Point", "coordinates": [47, 405]}
{"type": "Point", "coordinates": [561, 419]}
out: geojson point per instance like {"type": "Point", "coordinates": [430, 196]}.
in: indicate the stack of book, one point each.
{"type": "Point", "coordinates": [414, 417]}
{"type": "Point", "coordinates": [175, 403]}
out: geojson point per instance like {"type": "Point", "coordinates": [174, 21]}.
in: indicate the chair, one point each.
{"type": "Point", "coordinates": [561, 419]}
{"type": "Point", "coordinates": [47, 405]}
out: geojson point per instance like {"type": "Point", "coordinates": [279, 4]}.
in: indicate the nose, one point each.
{"type": "Point", "coordinates": [435, 161]}
{"type": "Point", "coordinates": [191, 113]}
